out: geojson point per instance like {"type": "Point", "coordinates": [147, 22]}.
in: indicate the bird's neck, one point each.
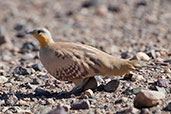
{"type": "Point", "coordinates": [43, 40]}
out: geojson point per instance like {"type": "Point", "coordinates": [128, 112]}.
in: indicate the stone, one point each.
{"type": "Point", "coordinates": [22, 71]}
{"type": "Point", "coordinates": [142, 56]}
{"type": "Point", "coordinates": [4, 39]}
{"type": "Point", "coordinates": [131, 110]}
{"type": "Point", "coordinates": [111, 86]}
{"type": "Point", "coordinates": [19, 27]}
{"type": "Point", "coordinates": [43, 110]}
{"type": "Point", "coordinates": [58, 110]}
{"type": "Point", "coordinates": [20, 35]}
{"type": "Point", "coordinates": [161, 89]}
{"type": "Point", "coordinates": [29, 46]}
{"type": "Point", "coordinates": [92, 83]}
{"type": "Point", "coordinates": [84, 104]}
{"type": "Point", "coordinates": [37, 81]}
{"type": "Point", "coordinates": [3, 79]}
{"type": "Point", "coordinates": [87, 93]}
{"type": "Point", "coordinates": [148, 98]}
{"type": "Point", "coordinates": [145, 111]}
{"type": "Point", "coordinates": [168, 107]}
{"type": "Point", "coordinates": [114, 8]}
{"type": "Point", "coordinates": [162, 83]}
{"type": "Point", "coordinates": [11, 99]}
{"type": "Point", "coordinates": [37, 67]}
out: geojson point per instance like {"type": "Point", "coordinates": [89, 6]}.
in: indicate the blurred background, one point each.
{"type": "Point", "coordinates": [112, 25]}
{"type": "Point", "coordinates": [119, 27]}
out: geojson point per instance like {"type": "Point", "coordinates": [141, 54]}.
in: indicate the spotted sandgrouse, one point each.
{"type": "Point", "coordinates": [75, 62]}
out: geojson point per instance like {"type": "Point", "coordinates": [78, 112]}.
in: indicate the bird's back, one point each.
{"type": "Point", "coordinates": [67, 61]}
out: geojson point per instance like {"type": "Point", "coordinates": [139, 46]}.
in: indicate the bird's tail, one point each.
{"type": "Point", "coordinates": [134, 64]}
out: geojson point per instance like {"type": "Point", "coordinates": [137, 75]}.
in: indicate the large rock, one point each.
{"type": "Point", "coordinates": [147, 98]}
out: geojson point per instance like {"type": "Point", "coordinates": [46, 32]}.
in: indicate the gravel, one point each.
{"type": "Point", "coordinates": [122, 28]}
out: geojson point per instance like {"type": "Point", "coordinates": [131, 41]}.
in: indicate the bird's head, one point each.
{"type": "Point", "coordinates": [43, 36]}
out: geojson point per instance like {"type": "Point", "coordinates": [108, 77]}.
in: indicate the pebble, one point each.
{"type": "Point", "coordinates": [27, 57]}
{"type": "Point", "coordinates": [133, 77]}
{"type": "Point", "coordinates": [131, 110]}
{"type": "Point", "coordinates": [102, 10]}
{"type": "Point", "coordinates": [114, 8]}
{"type": "Point", "coordinates": [29, 46]}
{"type": "Point", "coordinates": [19, 27]}
{"type": "Point", "coordinates": [37, 67]}
{"type": "Point", "coordinates": [168, 107]}
{"type": "Point", "coordinates": [92, 83]}
{"type": "Point", "coordinates": [111, 86]}
{"type": "Point", "coordinates": [4, 39]}
{"type": "Point", "coordinates": [20, 35]}
{"type": "Point", "coordinates": [161, 89]}
{"type": "Point", "coordinates": [37, 81]}
{"type": "Point", "coordinates": [87, 93]}
{"type": "Point", "coordinates": [84, 104]}
{"type": "Point", "coordinates": [148, 98]}
{"type": "Point", "coordinates": [145, 111]}
{"type": "Point", "coordinates": [43, 110]}
{"type": "Point", "coordinates": [22, 71]}
{"type": "Point", "coordinates": [162, 83]}
{"type": "Point", "coordinates": [11, 99]}
{"type": "Point", "coordinates": [3, 79]}
{"type": "Point", "coordinates": [58, 110]}
{"type": "Point", "coordinates": [142, 56]}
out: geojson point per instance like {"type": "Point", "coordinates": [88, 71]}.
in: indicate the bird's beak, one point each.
{"type": "Point", "coordinates": [30, 32]}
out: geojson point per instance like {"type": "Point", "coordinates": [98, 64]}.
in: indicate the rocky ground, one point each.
{"type": "Point", "coordinates": [124, 28]}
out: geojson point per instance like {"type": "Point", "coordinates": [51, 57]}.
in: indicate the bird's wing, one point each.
{"type": "Point", "coordinates": [72, 60]}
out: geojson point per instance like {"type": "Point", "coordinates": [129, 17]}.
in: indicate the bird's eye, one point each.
{"type": "Point", "coordinates": [39, 31]}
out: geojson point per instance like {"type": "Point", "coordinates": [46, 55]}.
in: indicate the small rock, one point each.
{"type": "Point", "coordinates": [3, 79]}
{"type": "Point", "coordinates": [136, 90]}
{"type": "Point", "coordinates": [43, 110]}
{"type": "Point", "coordinates": [6, 58]}
{"type": "Point", "coordinates": [87, 93]}
{"type": "Point", "coordinates": [58, 110]}
{"type": "Point", "coordinates": [11, 99]}
{"type": "Point", "coordinates": [147, 98]}
{"type": "Point", "coordinates": [132, 110]}
{"type": "Point", "coordinates": [112, 86]}
{"type": "Point", "coordinates": [142, 56]}
{"type": "Point", "coordinates": [37, 67]}
{"type": "Point", "coordinates": [84, 104]}
{"type": "Point", "coordinates": [153, 54]}
{"type": "Point", "coordinates": [19, 27]}
{"type": "Point", "coordinates": [114, 8]}
{"type": "Point", "coordinates": [30, 86]}
{"type": "Point", "coordinates": [93, 83]}
{"type": "Point", "coordinates": [27, 57]}
{"type": "Point", "coordinates": [91, 3]}
{"type": "Point", "coordinates": [21, 71]}
{"type": "Point", "coordinates": [20, 35]}
{"type": "Point", "coordinates": [67, 107]}
{"type": "Point", "coordinates": [161, 89]}
{"type": "Point", "coordinates": [145, 111]}
{"type": "Point", "coordinates": [102, 10]}
{"type": "Point", "coordinates": [29, 46]}
{"type": "Point", "coordinates": [133, 77]}
{"type": "Point", "coordinates": [168, 107]}
{"type": "Point", "coordinates": [162, 83]}
{"type": "Point", "coordinates": [4, 39]}
{"type": "Point", "coordinates": [36, 81]}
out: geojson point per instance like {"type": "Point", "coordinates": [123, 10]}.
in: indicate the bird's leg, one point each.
{"type": "Point", "coordinates": [79, 85]}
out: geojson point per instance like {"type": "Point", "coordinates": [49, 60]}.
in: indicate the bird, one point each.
{"type": "Point", "coordinates": [76, 62]}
